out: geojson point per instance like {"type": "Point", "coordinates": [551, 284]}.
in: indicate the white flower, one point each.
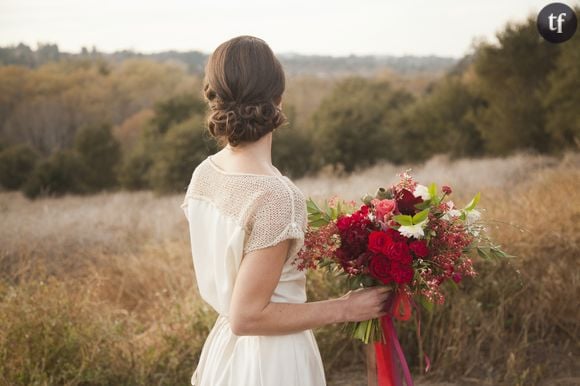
{"type": "Point", "coordinates": [472, 216]}
{"type": "Point", "coordinates": [451, 212]}
{"type": "Point", "coordinates": [422, 191]}
{"type": "Point", "coordinates": [415, 231]}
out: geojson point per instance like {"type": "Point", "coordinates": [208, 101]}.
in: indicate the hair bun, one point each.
{"type": "Point", "coordinates": [242, 122]}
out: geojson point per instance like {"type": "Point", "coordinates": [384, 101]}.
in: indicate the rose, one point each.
{"type": "Point", "coordinates": [406, 202]}
{"type": "Point", "coordinates": [394, 234]}
{"type": "Point", "coordinates": [399, 251]}
{"type": "Point", "coordinates": [379, 242]}
{"type": "Point", "coordinates": [383, 207]}
{"type": "Point", "coordinates": [380, 268]}
{"type": "Point", "coordinates": [401, 273]}
{"type": "Point", "coordinates": [419, 248]}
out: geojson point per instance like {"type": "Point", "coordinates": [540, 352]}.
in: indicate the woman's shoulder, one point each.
{"type": "Point", "coordinates": [243, 194]}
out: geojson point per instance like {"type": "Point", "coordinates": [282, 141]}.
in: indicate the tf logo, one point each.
{"type": "Point", "coordinates": [557, 22]}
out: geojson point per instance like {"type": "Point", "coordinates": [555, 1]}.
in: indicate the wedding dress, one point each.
{"type": "Point", "coordinates": [230, 214]}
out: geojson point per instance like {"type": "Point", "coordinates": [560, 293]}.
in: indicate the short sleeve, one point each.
{"type": "Point", "coordinates": [277, 215]}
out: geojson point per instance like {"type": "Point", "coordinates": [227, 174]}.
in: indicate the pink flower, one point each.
{"type": "Point", "coordinates": [383, 207]}
{"type": "Point", "coordinates": [446, 189]}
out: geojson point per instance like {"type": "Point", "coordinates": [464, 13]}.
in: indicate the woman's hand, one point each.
{"type": "Point", "coordinates": [364, 303]}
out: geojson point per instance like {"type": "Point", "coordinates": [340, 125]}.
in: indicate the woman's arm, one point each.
{"type": "Point", "coordinates": [252, 312]}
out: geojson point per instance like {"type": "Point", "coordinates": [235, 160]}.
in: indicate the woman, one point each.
{"type": "Point", "coordinates": [246, 223]}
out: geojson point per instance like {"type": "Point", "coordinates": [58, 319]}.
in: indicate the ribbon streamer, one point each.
{"type": "Point", "coordinates": [389, 361]}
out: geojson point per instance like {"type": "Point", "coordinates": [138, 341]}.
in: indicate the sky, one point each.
{"type": "Point", "coordinates": [323, 27]}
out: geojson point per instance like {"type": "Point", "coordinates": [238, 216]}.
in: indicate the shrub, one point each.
{"type": "Point", "coordinates": [134, 171]}
{"type": "Point", "coordinates": [16, 163]}
{"type": "Point", "coordinates": [292, 152]}
{"type": "Point", "coordinates": [100, 152]}
{"type": "Point", "coordinates": [353, 126]}
{"type": "Point", "coordinates": [180, 151]}
{"type": "Point", "coordinates": [63, 172]}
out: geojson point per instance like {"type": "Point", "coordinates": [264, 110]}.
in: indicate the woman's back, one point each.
{"type": "Point", "coordinates": [231, 214]}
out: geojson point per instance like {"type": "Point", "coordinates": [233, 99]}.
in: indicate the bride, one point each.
{"type": "Point", "coordinates": [246, 223]}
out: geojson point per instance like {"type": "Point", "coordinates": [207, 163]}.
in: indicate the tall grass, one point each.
{"type": "Point", "coordinates": [100, 290]}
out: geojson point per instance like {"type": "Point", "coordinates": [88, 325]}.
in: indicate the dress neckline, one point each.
{"type": "Point", "coordinates": [222, 171]}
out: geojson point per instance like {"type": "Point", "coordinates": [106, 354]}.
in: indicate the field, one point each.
{"type": "Point", "coordinates": [100, 289]}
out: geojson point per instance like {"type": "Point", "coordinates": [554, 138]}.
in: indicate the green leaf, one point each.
{"type": "Point", "coordinates": [423, 205]}
{"type": "Point", "coordinates": [432, 190]}
{"type": "Point", "coordinates": [312, 208]}
{"type": "Point", "coordinates": [473, 202]}
{"type": "Point", "coordinates": [452, 284]}
{"type": "Point", "coordinates": [404, 219]}
{"type": "Point", "coordinates": [422, 215]}
{"type": "Point", "coordinates": [483, 253]}
{"type": "Point", "coordinates": [318, 223]}
{"type": "Point", "coordinates": [426, 303]}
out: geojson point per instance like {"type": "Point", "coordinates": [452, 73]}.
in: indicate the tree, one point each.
{"type": "Point", "coordinates": [442, 121]}
{"type": "Point", "coordinates": [183, 147]}
{"type": "Point", "coordinates": [351, 127]}
{"type": "Point", "coordinates": [176, 110]}
{"type": "Point", "coordinates": [101, 153]}
{"type": "Point", "coordinates": [16, 163]}
{"type": "Point", "coordinates": [63, 172]}
{"type": "Point", "coordinates": [562, 101]}
{"type": "Point", "coordinates": [511, 78]}
{"type": "Point", "coordinates": [292, 149]}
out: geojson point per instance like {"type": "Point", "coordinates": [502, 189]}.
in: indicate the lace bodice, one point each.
{"type": "Point", "coordinates": [268, 208]}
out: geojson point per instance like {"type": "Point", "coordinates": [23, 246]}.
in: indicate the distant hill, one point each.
{"type": "Point", "coordinates": [194, 61]}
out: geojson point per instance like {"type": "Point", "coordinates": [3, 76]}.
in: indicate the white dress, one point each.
{"type": "Point", "coordinates": [230, 214]}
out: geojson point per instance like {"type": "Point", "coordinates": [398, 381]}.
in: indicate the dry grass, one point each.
{"type": "Point", "coordinates": [100, 289]}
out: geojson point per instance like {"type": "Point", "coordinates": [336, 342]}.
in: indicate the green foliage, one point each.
{"type": "Point", "coordinates": [442, 119]}
{"type": "Point", "coordinates": [63, 172]}
{"type": "Point", "coordinates": [292, 149]}
{"type": "Point", "coordinates": [134, 171]}
{"type": "Point", "coordinates": [176, 110]}
{"type": "Point", "coordinates": [179, 152]}
{"type": "Point", "coordinates": [16, 163]}
{"type": "Point", "coordinates": [101, 152]}
{"type": "Point", "coordinates": [562, 101]}
{"type": "Point", "coordinates": [353, 126]}
{"type": "Point", "coordinates": [511, 78]}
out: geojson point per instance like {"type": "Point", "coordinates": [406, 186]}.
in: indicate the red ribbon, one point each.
{"type": "Point", "coordinates": [389, 355]}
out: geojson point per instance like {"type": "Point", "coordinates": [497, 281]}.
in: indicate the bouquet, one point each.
{"type": "Point", "coordinates": [408, 236]}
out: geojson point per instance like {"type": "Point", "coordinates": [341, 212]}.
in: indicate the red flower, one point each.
{"type": "Point", "coordinates": [380, 268]}
{"type": "Point", "coordinates": [401, 273]}
{"type": "Point", "coordinates": [406, 202]}
{"type": "Point", "coordinates": [379, 241]}
{"type": "Point", "coordinates": [399, 251]}
{"type": "Point", "coordinates": [446, 189]}
{"type": "Point", "coordinates": [419, 248]}
{"type": "Point", "coordinates": [395, 235]}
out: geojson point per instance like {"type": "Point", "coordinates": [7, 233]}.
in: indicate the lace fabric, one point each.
{"type": "Point", "coordinates": [270, 208]}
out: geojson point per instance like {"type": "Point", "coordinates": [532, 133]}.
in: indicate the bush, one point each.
{"type": "Point", "coordinates": [61, 173]}
{"type": "Point", "coordinates": [100, 152]}
{"type": "Point", "coordinates": [134, 171]}
{"type": "Point", "coordinates": [292, 152]}
{"type": "Point", "coordinates": [16, 163]}
{"type": "Point", "coordinates": [180, 151]}
{"type": "Point", "coordinates": [443, 120]}
{"type": "Point", "coordinates": [353, 126]}
{"type": "Point", "coordinates": [176, 110]}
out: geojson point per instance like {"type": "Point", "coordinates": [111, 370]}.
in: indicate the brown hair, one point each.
{"type": "Point", "coordinates": [243, 85]}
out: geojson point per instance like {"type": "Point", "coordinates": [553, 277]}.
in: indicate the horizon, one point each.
{"type": "Point", "coordinates": [176, 25]}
